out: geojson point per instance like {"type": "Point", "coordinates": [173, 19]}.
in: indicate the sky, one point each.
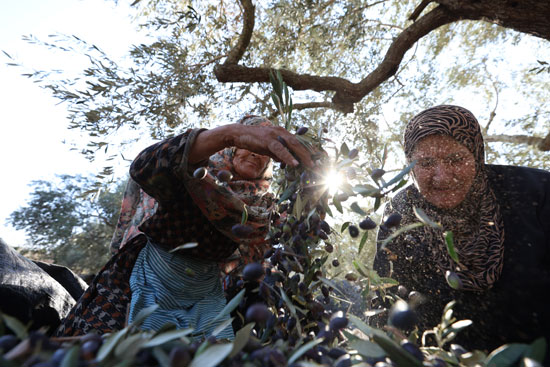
{"type": "Point", "coordinates": [33, 123]}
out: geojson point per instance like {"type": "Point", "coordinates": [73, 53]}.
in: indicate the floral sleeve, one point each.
{"type": "Point", "coordinates": [136, 207]}
{"type": "Point", "coordinates": [154, 168]}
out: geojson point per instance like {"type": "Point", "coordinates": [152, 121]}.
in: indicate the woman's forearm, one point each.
{"type": "Point", "coordinates": [211, 141]}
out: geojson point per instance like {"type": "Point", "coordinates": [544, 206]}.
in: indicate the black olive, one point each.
{"type": "Point", "coordinates": [325, 227]}
{"type": "Point", "coordinates": [335, 262]}
{"type": "Point", "coordinates": [291, 324]}
{"type": "Point", "coordinates": [301, 131]}
{"type": "Point", "coordinates": [367, 224]}
{"type": "Point", "coordinates": [329, 248]}
{"type": "Point", "coordinates": [402, 291]}
{"type": "Point", "coordinates": [253, 271]}
{"type": "Point", "coordinates": [412, 349]}
{"type": "Point", "coordinates": [353, 153]}
{"type": "Point", "coordinates": [258, 313]}
{"type": "Point", "coordinates": [322, 235]}
{"type": "Point", "coordinates": [402, 316]}
{"type": "Point", "coordinates": [353, 231]}
{"type": "Point", "coordinates": [393, 220]}
{"type": "Point", "coordinates": [179, 356]}
{"type": "Point", "coordinates": [224, 176]}
{"type": "Point", "coordinates": [200, 173]}
{"type": "Point", "coordinates": [377, 174]}
{"type": "Point", "coordinates": [325, 291]}
{"type": "Point", "coordinates": [241, 230]}
{"type": "Point", "coordinates": [338, 321]}
{"type": "Point", "coordinates": [336, 353]}
{"type": "Point", "coordinates": [89, 349]}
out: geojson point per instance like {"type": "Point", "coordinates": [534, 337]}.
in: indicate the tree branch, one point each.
{"type": "Point", "coordinates": [544, 145]}
{"type": "Point", "coordinates": [526, 16]}
{"type": "Point", "coordinates": [347, 93]}
{"type": "Point", "coordinates": [304, 106]}
{"type": "Point", "coordinates": [237, 52]}
{"type": "Point", "coordinates": [419, 9]}
{"type": "Point", "coordinates": [516, 139]}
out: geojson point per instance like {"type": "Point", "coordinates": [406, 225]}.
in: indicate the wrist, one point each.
{"type": "Point", "coordinates": [228, 134]}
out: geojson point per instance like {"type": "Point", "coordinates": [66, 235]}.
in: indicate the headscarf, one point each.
{"type": "Point", "coordinates": [476, 222]}
{"type": "Point", "coordinates": [223, 204]}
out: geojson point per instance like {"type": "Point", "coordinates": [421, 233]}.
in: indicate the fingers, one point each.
{"type": "Point", "coordinates": [275, 142]}
{"type": "Point", "coordinates": [286, 144]}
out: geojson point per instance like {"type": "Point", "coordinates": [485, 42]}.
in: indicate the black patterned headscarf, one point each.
{"type": "Point", "coordinates": [476, 223]}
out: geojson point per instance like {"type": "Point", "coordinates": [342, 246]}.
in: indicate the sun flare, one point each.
{"type": "Point", "coordinates": [333, 180]}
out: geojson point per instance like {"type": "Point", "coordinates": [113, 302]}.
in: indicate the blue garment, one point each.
{"type": "Point", "coordinates": [188, 291]}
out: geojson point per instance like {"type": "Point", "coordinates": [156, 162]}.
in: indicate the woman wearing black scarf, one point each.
{"type": "Point", "coordinates": [500, 219]}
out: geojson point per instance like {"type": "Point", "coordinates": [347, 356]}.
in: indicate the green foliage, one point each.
{"type": "Point", "coordinates": [67, 225]}
{"type": "Point", "coordinates": [167, 83]}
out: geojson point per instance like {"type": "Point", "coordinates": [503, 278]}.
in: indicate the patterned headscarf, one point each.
{"type": "Point", "coordinates": [224, 203]}
{"type": "Point", "coordinates": [476, 223]}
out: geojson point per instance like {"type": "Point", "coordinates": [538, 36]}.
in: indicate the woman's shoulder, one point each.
{"type": "Point", "coordinates": [518, 179]}
{"type": "Point", "coordinates": [521, 172]}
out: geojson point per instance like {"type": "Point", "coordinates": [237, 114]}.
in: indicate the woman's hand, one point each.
{"type": "Point", "coordinates": [272, 141]}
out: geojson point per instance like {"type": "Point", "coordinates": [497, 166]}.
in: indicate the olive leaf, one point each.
{"type": "Point", "coordinates": [356, 208]}
{"type": "Point", "coordinates": [167, 336]}
{"type": "Point", "coordinates": [212, 356]}
{"type": "Point", "coordinates": [303, 349]}
{"type": "Point", "coordinates": [71, 357]}
{"type": "Point", "coordinates": [229, 307]}
{"type": "Point", "coordinates": [450, 245]}
{"type": "Point", "coordinates": [244, 216]}
{"type": "Point", "coordinates": [185, 246]}
{"type": "Point", "coordinates": [241, 338]}
{"type": "Point", "coordinates": [421, 215]}
{"type": "Point", "coordinates": [362, 242]}
{"type": "Point", "coordinates": [400, 175]}
{"type": "Point", "coordinates": [109, 344]}
{"type": "Point", "coordinates": [400, 231]}
{"type": "Point", "coordinates": [15, 325]}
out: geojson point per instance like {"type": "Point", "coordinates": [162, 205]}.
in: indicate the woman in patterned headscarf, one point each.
{"type": "Point", "coordinates": [500, 219]}
{"type": "Point", "coordinates": [189, 189]}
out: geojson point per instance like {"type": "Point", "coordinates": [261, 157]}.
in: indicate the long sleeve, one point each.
{"type": "Point", "coordinates": [155, 168]}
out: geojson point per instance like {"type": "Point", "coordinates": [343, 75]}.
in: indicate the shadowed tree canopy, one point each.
{"type": "Point", "coordinates": [360, 68]}
{"type": "Point", "coordinates": [66, 225]}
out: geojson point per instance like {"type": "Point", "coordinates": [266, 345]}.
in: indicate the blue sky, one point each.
{"type": "Point", "coordinates": [33, 124]}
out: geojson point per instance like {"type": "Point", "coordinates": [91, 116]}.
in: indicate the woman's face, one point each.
{"type": "Point", "coordinates": [249, 165]}
{"type": "Point", "coordinates": [444, 171]}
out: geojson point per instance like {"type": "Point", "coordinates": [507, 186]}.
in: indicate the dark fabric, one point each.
{"type": "Point", "coordinates": [104, 305]}
{"type": "Point", "coordinates": [514, 309]}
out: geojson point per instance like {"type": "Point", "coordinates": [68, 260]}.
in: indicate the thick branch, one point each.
{"type": "Point", "coordinates": [515, 139]}
{"type": "Point", "coordinates": [526, 16]}
{"type": "Point", "coordinates": [237, 52]}
{"type": "Point", "coordinates": [347, 93]}
{"type": "Point", "coordinates": [419, 9]}
{"type": "Point", "coordinates": [544, 145]}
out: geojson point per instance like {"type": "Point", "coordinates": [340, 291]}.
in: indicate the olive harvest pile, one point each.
{"type": "Point", "coordinates": [285, 309]}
